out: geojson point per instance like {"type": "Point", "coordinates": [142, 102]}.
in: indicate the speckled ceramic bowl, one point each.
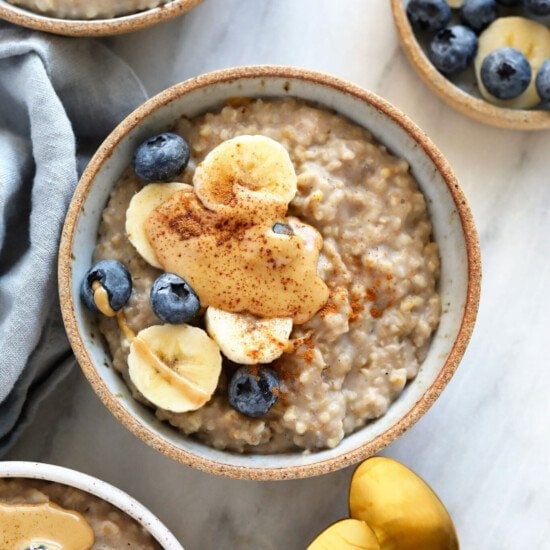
{"type": "Point", "coordinates": [471, 105]}
{"type": "Point", "coordinates": [94, 27]}
{"type": "Point", "coordinates": [453, 227]}
{"type": "Point", "coordinates": [92, 485]}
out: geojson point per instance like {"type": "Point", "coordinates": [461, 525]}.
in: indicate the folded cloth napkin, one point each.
{"type": "Point", "coordinates": [59, 97]}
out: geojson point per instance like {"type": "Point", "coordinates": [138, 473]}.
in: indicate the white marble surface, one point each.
{"type": "Point", "coordinates": [485, 445]}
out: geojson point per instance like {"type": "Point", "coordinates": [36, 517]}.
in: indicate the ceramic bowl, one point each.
{"type": "Point", "coordinates": [471, 105]}
{"type": "Point", "coordinates": [94, 27]}
{"type": "Point", "coordinates": [98, 488]}
{"type": "Point", "coordinates": [453, 227]}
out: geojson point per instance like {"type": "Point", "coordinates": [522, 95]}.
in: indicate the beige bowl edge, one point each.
{"type": "Point", "coordinates": [99, 27]}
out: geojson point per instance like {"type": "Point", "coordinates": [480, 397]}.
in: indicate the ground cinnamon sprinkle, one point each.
{"type": "Point", "coordinates": [277, 343]}
{"type": "Point", "coordinates": [376, 313]}
{"type": "Point", "coordinates": [308, 355]}
{"type": "Point", "coordinates": [183, 215]}
{"type": "Point", "coordinates": [294, 344]}
{"type": "Point", "coordinates": [224, 192]}
{"type": "Point", "coordinates": [283, 398]}
{"type": "Point", "coordinates": [308, 340]}
{"type": "Point", "coordinates": [327, 309]}
{"type": "Point", "coordinates": [283, 371]}
{"type": "Point", "coordinates": [357, 307]}
{"type": "Point", "coordinates": [254, 354]}
{"type": "Point", "coordinates": [185, 225]}
{"type": "Point", "coordinates": [370, 294]}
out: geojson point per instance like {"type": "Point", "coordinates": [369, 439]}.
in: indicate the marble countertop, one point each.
{"type": "Point", "coordinates": [485, 445]}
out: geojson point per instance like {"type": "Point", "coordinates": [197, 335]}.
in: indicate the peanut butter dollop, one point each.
{"type": "Point", "coordinates": [24, 525]}
{"type": "Point", "coordinates": [101, 300]}
{"type": "Point", "coordinates": [239, 265]}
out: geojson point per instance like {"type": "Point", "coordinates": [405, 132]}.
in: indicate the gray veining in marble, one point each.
{"type": "Point", "coordinates": [485, 445]}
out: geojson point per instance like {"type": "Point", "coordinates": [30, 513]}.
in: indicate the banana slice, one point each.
{"type": "Point", "coordinates": [527, 36]}
{"type": "Point", "coordinates": [141, 205]}
{"type": "Point", "coordinates": [455, 3]}
{"type": "Point", "coordinates": [248, 175]}
{"type": "Point", "coordinates": [176, 367]}
{"type": "Point", "coordinates": [246, 339]}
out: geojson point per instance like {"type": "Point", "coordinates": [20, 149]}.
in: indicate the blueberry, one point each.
{"type": "Point", "coordinates": [253, 390]}
{"type": "Point", "coordinates": [537, 7]}
{"type": "Point", "coordinates": [161, 158]}
{"type": "Point", "coordinates": [173, 300]}
{"type": "Point", "coordinates": [506, 73]}
{"type": "Point", "coordinates": [282, 229]}
{"type": "Point", "coordinates": [478, 14]}
{"type": "Point", "coordinates": [453, 49]}
{"type": "Point", "coordinates": [114, 278]}
{"type": "Point", "coordinates": [508, 2]}
{"type": "Point", "coordinates": [543, 82]}
{"type": "Point", "coordinates": [428, 15]}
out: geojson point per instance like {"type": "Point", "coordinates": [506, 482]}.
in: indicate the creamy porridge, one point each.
{"type": "Point", "coordinates": [378, 261]}
{"type": "Point", "coordinates": [111, 529]}
{"type": "Point", "coordinates": [87, 9]}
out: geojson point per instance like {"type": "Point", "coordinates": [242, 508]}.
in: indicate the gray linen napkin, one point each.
{"type": "Point", "coordinates": [59, 97]}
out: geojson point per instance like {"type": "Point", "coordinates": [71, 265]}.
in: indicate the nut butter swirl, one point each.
{"type": "Point", "coordinates": [25, 526]}
{"type": "Point", "coordinates": [238, 265]}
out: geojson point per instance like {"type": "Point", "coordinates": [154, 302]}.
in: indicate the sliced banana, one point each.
{"type": "Point", "coordinates": [247, 175]}
{"type": "Point", "coordinates": [176, 367]}
{"type": "Point", "coordinates": [527, 36]}
{"type": "Point", "coordinates": [455, 3]}
{"type": "Point", "coordinates": [247, 339]}
{"type": "Point", "coordinates": [141, 206]}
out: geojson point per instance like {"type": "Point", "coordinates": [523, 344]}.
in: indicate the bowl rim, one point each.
{"type": "Point", "coordinates": [96, 487]}
{"type": "Point", "coordinates": [94, 27]}
{"type": "Point", "coordinates": [326, 465]}
{"type": "Point", "coordinates": [469, 105]}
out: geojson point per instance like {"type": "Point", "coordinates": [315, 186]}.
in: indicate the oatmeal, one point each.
{"type": "Point", "coordinates": [378, 261]}
{"type": "Point", "coordinates": [87, 9]}
{"type": "Point", "coordinates": [112, 528]}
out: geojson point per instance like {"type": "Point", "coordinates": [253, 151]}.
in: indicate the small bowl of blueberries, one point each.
{"type": "Point", "coordinates": [488, 59]}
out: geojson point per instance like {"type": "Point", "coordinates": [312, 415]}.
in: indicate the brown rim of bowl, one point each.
{"type": "Point", "coordinates": [324, 466]}
{"type": "Point", "coordinates": [476, 108]}
{"type": "Point", "coordinates": [95, 27]}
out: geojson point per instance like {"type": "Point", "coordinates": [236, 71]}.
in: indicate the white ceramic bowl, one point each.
{"type": "Point", "coordinates": [453, 228]}
{"type": "Point", "coordinates": [92, 485]}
